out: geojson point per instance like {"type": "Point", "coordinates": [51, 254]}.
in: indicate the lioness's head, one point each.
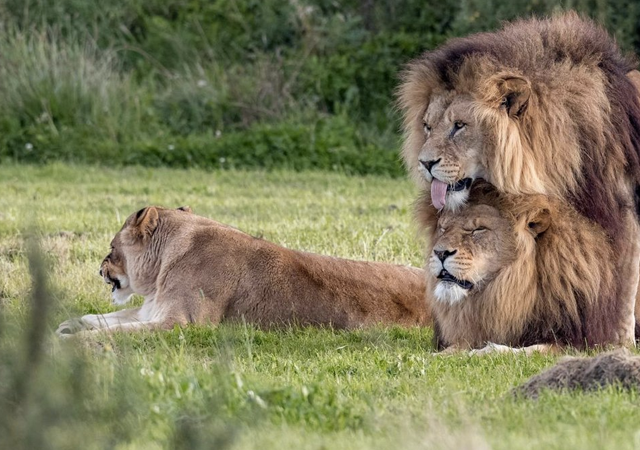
{"type": "Point", "coordinates": [473, 246]}
{"type": "Point", "coordinates": [449, 157]}
{"type": "Point", "coordinates": [125, 268]}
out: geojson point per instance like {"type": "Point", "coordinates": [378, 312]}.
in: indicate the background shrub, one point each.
{"type": "Point", "coordinates": [231, 83]}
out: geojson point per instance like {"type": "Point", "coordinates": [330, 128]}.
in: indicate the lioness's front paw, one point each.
{"type": "Point", "coordinates": [72, 326]}
{"type": "Point", "coordinates": [493, 348]}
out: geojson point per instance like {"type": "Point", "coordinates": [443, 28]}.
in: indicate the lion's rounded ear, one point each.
{"type": "Point", "coordinates": [146, 221]}
{"type": "Point", "coordinates": [185, 209]}
{"type": "Point", "coordinates": [515, 92]}
{"type": "Point", "coordinates": [539, 222]}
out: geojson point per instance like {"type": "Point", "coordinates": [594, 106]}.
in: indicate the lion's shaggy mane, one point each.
{"type": "Point", "coordinates": [558, 290]}
{"type": "Point", "coordinates": [562, 118]}
{"type": "Point", "coordinates": [579, 131]}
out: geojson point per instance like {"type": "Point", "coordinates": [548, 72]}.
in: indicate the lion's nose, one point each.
{"type": "Point", "coordinates": [429, 164]}
{"type": "Point", "coordinates": [444, 254]}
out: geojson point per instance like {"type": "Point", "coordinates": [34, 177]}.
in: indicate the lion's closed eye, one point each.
{"type": "Point", "coordinates": [479, 230]}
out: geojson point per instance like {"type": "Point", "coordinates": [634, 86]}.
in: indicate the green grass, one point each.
{"type": "Point", "coordinates": [235, 386]}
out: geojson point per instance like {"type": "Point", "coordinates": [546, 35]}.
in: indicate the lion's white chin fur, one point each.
{"type": "Point", "coordinates": [456, 200]}
{"type": "Point", "coordinates": [451, 293]}
{"type": "Point", "coordinates": [122, 295]}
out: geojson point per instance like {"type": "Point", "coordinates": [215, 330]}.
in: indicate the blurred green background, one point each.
{"type": "Point", "coordinates": [299, 84]}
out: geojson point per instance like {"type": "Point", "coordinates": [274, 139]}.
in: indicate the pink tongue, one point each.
{"type": "Point", "coordinates": [438, 193]}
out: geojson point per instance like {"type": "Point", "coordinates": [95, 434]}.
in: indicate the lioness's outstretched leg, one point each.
{"type": "Point", "coordinates": [126, 319]}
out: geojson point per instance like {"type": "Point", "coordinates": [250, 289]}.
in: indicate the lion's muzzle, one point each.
{"type": "Point", "coordinates": [446, 276]}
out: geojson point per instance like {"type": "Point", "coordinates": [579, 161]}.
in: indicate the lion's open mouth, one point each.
{"type": "Point", "coordinates": [446, 276]}
{"type": "Point", "coordinates": [439, 190]}
{"type": "Point", "coordinates": [115, 284]}
{"type": "Point", "coordinates": [465, 183]}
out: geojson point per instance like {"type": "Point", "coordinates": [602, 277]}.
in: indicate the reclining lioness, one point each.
{"type": "Point", "coordinates": [191, 269]}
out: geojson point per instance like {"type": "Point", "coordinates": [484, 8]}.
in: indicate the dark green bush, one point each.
{"type": "Point", "coordinates": [621, 17]}
{"type": "Point", "coordinates": [331, 143]}
{"type": "Point", "coordinates": [252, 83]}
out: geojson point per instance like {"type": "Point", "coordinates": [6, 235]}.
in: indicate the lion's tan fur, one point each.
{"type": "Point", "coordinates": [191, 269]}
{"type": "Point", "coordinates": [554, 286]}
{"type": "Point", "coordinates": [558, 106]}
{"type": "Point", "coordinates": [541, 152]}
{"type": "Point", "coordinates": [458, 158]}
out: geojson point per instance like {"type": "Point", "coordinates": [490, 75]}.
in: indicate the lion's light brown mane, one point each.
{"type": "Point", "coordinates": [561, 117]}
{"type": "Point", "coordinates": [556, 289]}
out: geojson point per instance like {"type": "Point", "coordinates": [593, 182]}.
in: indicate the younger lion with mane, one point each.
{"type": "Point", "coordinates": [191, 269]}
{"type": "Point", "coordinates": [520, 271]}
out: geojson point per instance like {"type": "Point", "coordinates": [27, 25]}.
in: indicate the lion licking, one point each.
{"type": "Point", "coordinates": [542, 106]}
{"type": "Point", "coordinates": [191, 269]}
{"type": "Point", "coordinates": [523, 271]}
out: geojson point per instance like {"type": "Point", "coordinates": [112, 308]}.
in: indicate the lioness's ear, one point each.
{"type": "Point", "coordinates": [515, 93]}
{"type": "Point", "coordinates": [146, 222]}
{"type": "Point", "coordinates": [185, 209]}
{"type": "Point", "coordinates": [539, 222]}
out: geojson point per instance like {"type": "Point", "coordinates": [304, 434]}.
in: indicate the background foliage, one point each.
{"type": "Point", "coordinates": [231, 83]}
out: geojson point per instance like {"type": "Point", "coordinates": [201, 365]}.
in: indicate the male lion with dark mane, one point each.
{"type": "Point", "coordinates": [542, 106]}
{"type": "Point", "coordinates": [191, 269]}
{"type": "Point", "coordinates": [524, 271]}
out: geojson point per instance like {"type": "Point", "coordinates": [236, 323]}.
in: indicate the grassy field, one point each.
{"type": "Point", "coordinates": [235, 386]}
